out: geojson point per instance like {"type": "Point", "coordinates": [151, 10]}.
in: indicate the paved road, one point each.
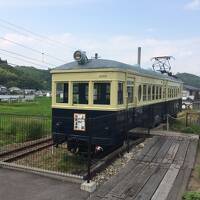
{"type": "Point", "coordinates": [15, 185]}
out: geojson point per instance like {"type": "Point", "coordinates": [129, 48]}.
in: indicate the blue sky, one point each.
{"type": "Point", "coordinates": [112, 28]}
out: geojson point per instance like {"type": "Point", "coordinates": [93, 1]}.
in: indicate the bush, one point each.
{"type": "Point", "coordinates": [191, 129]}
{"type": "Point", "coordinates": [26, 129]}
{"type": "Point", "coordinates": [35, 130]}
{"type": "Point", "coordinates": [191, 196]}
{"type": "Point", "coordinates": [188, 130]}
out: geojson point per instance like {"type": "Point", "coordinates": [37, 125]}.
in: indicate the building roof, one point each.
{"type": "Point", "coordinates": [102, 63]}
{"type": "Point", "coordinates": [14, 88]}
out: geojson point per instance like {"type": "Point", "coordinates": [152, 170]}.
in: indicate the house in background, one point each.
{"type": "Point", "coordinates": [3, 61]}
{"type": "Point", "coordinates": [29, 91]}
{"type": "Point", "coordinates": [190, 95]}
{"type": "Point", "coordinates": [3, 89]}
{"type": "Point", "coordinates": [15, 90]}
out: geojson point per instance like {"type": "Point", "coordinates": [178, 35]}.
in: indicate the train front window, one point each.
{"type": "Point", "coordinates": [80, 93]}
{"type": "Point", "coordinates": [62, 93]}
{"type": "Point", "coordinates": [101, 93]}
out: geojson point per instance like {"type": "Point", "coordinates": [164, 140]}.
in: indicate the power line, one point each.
{"type": "Point", "coordinates": [29, 58]}
{"type": "Point", "coordinates": [33, 33]}
{"type": "Point", "coordinates": [21, 59]}
{"type": "Point", "coordinates": [33, 50]}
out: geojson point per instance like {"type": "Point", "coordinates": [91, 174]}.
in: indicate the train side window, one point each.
{"type": "Point", "coordinates": [149, 92]}
{"type": "Point", "coordinates": [157, 91]}
{"type": "Point", "coordinates": [120, 93]}
{"type": "Point", "coordinates": [153, 92]}
{"type": "Point", "coordinates": [139, 93]}
{"type": "Point", "coordinates": [62, 93]}
{"type": "Point", "coordinates": [144, 92]}
{"type": "Point", "coordinates": [164, 93]}
{"type": "Point", "coordinates": [80, 93]}
{"type": "Point", "coordinates": [101, 93]}
{"type": "Point", "coordinates": [168, 92]}
{"type": "Point", "coordinates": [130, 93]}
{"type": "Point", "coordinates": [160, 93]}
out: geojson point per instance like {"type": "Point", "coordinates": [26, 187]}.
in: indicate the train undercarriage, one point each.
{"type": "Point", "coordinates": [106, 129]}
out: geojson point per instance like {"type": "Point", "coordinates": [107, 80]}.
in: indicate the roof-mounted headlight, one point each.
{"type": "Point", "coordinates": [80, 57]}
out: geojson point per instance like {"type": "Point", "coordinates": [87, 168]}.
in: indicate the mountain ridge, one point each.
{"type": "Point", "coordinates": [26, 77]}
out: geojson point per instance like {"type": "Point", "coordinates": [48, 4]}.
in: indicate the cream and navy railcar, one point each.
{"type": "Point", "coordinates": [94, 96]}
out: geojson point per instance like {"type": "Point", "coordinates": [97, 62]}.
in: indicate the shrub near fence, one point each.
{"type": "Point", "coordinates": [16, 129]}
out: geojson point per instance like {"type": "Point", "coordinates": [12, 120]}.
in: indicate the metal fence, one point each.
{"type": "Point", "coordinates": [16, 130]}
{"type": "Point", "coordinates": [196, 105]}
{"type": "Point", "coordinates": [192, 118]}
{"type": "Point", "coordinates": [188, 122]}
{"type": "Point", "coordinates": [26, 141]}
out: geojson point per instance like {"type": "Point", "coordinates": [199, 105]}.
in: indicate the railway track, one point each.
{"type": "Point", "coordinates": [14, 154]}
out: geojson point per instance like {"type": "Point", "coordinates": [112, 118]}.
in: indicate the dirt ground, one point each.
{"type": "Point", "coordinates": [194, 183]}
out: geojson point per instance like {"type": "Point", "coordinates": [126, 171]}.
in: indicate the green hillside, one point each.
{"type": "Point", "coordinates": [24, 77]}
{"type": "Point", "coordinates": [33, 78]}
{"type": "Point", "coordinates": [189, 79]}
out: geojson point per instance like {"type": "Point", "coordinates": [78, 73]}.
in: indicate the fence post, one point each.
{"type": "Point", "coordinates": [89, 149]}
{"type": "Point", "coordinates": [186, 120]}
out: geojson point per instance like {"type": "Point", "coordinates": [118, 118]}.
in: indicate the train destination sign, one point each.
{"type": "Point", "coordinates": [79, 121]}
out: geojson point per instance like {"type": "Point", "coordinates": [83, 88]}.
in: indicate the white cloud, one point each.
{"type": "Point", "coordinates": [193, 5]}
{"type": "Point", "coordinates": [121, 48]}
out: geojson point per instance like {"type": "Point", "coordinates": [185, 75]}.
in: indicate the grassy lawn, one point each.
{"type": "Point", "coordinates": [19, 129]}
{"type": "Point", "coordinates": [41, 106]}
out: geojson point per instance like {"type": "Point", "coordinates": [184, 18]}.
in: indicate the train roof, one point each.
{"type": "Point", "coordinates": [103, 64]}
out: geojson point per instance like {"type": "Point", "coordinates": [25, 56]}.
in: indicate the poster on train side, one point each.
{"type": "Point", "coordinates": [79, 122]}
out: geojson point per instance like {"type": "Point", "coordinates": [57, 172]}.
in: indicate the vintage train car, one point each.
{"type": "Point", "coordinates": [105, 97]}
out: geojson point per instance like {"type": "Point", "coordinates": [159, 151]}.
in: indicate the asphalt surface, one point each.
{"type": "Point", "coordinates": [16, 185]}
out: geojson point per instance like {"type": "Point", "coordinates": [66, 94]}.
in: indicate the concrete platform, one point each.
{"type": "Point", "coordinates": [160, 172]}
{"type": "Point", "coordinates": [16, 185]}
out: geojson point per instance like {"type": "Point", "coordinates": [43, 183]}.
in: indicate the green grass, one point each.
{"type": "Point", "coordinates": [23, 127]}
{"type": "Point", "coordinates": [41, 106]}
{"type": "Point", "coordinates": [191, 196]}
{"type": "Point", "coordinates": [73, 164]}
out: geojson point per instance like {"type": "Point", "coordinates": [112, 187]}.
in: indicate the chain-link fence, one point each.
{"type": "Point", "coordinates": [26, 141]}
